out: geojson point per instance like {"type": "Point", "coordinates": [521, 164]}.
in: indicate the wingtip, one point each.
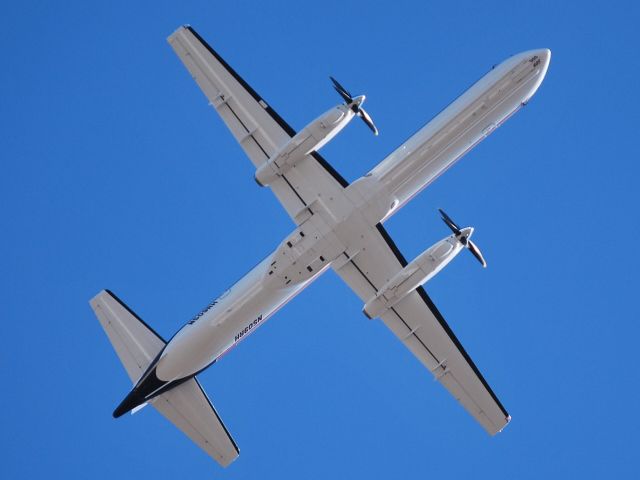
{"type": "Point", "coordinates": [181, 28]}
{"type": "Point", "coordinates": [508, 420]}
{"type": "Point", "coordinates": [94, 300]}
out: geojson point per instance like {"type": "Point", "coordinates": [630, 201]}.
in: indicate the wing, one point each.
{"type": "Point", "coordinates": [135, 342]}
{"type": "Point", "coordinates": [256, 126]}
{"type": "Point", "coordinates": [189, 409]}
{"type": "Point", "coordinates": [420, 326]}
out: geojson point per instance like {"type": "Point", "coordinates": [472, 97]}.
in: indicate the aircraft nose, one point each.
{"type": "Point", "coordinates": [539, 59]}
{"type": "Point", "coordinates": [545, 57]}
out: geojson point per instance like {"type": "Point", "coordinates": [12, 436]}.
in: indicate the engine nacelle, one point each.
{"type": "Point", "coordinates": [416, 273]}
{"type": "Point", "coordinates": [312, 137]}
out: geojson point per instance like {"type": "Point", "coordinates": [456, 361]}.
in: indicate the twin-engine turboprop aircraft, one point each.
{"type": "Point", "coordinates": [338, 225]}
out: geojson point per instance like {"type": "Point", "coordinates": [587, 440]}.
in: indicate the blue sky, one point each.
{"type": "Point", "coordinates": [117, 175]}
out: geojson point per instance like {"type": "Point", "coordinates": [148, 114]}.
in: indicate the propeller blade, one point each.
{"type": "Point", "coordinates": [344, 96]}
{"type": "Point", "coordinates": [450, 223]}
{"type": "Point", "coordinates": [473, 248]}
{"type": "Point", "coordinates": [354, 104]}
{"type": "Point", "coordinates": [362, 113]}
{"type": "Point", "coordinates": [341, 90]}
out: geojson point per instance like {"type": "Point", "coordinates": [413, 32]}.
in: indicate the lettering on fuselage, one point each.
{"type": "Point", "coordinates": [248, 328]}
{"type": "Point", "coordinates": [207, 308]}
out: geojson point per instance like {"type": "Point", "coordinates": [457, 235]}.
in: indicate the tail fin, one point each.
{"type": "Point", "coordinates": [185, 405]}
{"type": "Point", "coordinates": [134, 341]}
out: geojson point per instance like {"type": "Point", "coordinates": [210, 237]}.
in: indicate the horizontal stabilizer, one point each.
{"type": "Point", "coordinates": [189, 409]}
{"type": "Point", "coordinates": [133, 340]}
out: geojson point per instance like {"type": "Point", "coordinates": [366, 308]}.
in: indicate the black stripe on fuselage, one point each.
{"type": "Point", "coordinates": [149, 387]}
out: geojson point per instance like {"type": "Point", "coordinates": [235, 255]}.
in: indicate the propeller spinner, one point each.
{"type": "Point", "coordinates": [463, 234]}
{"type": "Point", "coordinates": [354, 103]}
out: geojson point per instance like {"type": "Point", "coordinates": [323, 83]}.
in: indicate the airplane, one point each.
{"type": "Point", "coordinates": [338, 225]}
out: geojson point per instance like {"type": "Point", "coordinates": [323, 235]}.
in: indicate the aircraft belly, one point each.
{"type": "Point", "coordinates": [237, 313]}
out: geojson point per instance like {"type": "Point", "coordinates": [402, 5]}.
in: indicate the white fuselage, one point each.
{"type": "Point", "coordinates": [315, 244]}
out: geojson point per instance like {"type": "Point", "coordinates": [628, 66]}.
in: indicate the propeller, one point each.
{"type": "Point", "coordinates": [354, 103]}
{"type": "Point", "coordinates": [463, 236]}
